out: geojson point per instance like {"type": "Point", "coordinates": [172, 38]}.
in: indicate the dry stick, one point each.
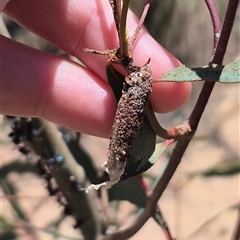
{"type": "Point", "coordinates": [116, 7]}
{"type": "Point", "coordinates": [236, 235]}
{"type": "Point", "coordinates": [123, 30]}
{"type": "Point", "coordinates": [182, 143]}
{"type": "Point", "coordinates": [157, 215]}
{"type": "Point", "coordinates": [163, 224]}
{"type": "Point", "coordinates": [141, 21]}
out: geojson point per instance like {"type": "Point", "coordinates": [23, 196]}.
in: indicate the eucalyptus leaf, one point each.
{"type": "Point", "coordinates": [7, 235]}
{"type": "Point", "coordinates": [140, 166]}
{"type": "Point", "coordinates": [19, 167]}
{"type": "Point", "coordinates": [129, 190]}
{"type": "Point", "coordinates": [7, 228]}
{"type": "Point", "coordinates": [215, 73]}
{"type": "Point", "coordinates": [9, 189]}
{"type": "Point", "coordinates": [225, 168]}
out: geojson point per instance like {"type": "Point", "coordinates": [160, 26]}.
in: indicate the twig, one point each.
{"type": "Point", "coordinates": [172, 133]}
{"type": "Point", "coordinates": [215, 21]}
{"type": "Point", "coordinates": [236, 235]}
{"type": "Point", "coordinates": [123, 39]}
{"type": "Point", "coordinates": [182, 143]}
{"type": "Point", "coordinates": [226, 31]}
{"type": "Point", "coordinates": [133, 38]}
{"type": "Point", "coordinates": [217, 58]}
{"type": "Point", "coordinates": [116, 7]}
{"type": "Point", "coordinates": [158, 217]}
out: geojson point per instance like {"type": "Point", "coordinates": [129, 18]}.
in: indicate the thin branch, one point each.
{"type": "Point", "coordinates": [215, 21]}
{"type": "Point", "coordinates": [236, 235]}
{"type": "Point", "coordinates": [217, 58]}
{"type": "Point", "coordinates": [158, 217]}
{"type": "Point", "coordinates": [116, 7]}
{"type": "Point", "coordinates": [133, 38]}
{"type": "Point", "coordinates": [182, 144]}
{"type": "Point", "coordinates": [123, 30]}
{"type": "Point", "coordinates": [226, 31]}
{"type": "Point", "coordinates": [172, 133]}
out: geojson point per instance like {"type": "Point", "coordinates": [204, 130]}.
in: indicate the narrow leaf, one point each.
{"type": "Point", "coordinates": [129, 190]}
{"type": "Point", "coordinates": [160, 148]}
{"type": "Point", "coordinates": [19, 167]}
{"type": "Point", "coordinates": [225, 168]}
{"type": "Point", "coordinates": [216, 73]}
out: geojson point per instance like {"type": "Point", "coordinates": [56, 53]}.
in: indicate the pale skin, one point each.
{"type": "Point", "coordinates": [37, 84]}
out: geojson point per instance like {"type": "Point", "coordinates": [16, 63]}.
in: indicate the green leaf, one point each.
{"type": "Point", "coordinates": [7, 229]}
{"type": "Point", "coordinates": [129, 190]}
{"type": "Point", "coordinates": [9, 189]}
{"type": "Point", "coordinates": [215, 73]}
{"type": "Point", "coordinates": [8, 236]}
{"type": "Point", "coordinates": [17, 166]}
{"type": "Point", "coordinates": [143, 165]}
{"type": "Point", "coordinates": [142, 150]}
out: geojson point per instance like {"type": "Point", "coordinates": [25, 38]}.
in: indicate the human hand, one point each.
{"type": "Point", "coordinates": [37, 84]}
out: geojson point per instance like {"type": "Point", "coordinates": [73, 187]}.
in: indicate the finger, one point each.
{"type": "Point", "coordinates": [75, 25]}
{"type": "Point", "coordinates": [3, 4]}
{"type": "Point", "coordinates": [36, 84]}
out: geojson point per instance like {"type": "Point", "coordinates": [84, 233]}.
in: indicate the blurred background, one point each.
{"type": "Point", "coordinates": [202, 199]}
